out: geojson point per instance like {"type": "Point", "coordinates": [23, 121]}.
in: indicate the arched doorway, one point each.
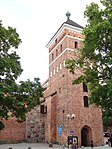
{"type": "Point", "coordinates": [86, 135]}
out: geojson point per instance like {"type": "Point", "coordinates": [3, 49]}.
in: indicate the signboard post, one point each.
{"type": "Point", "coordinates": [72, 132]}
{"type": "Point", "coordinates": [60, 132]}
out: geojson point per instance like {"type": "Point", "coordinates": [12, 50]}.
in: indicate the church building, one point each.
{"type": "Point", "coordinates": [68, 110]}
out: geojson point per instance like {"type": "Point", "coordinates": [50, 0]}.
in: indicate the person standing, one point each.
{"type": "Point", "coordinates": [91, 143]}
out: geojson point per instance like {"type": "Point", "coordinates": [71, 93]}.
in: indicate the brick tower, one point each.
{"type": "Point", "coordinates": [68, 111]}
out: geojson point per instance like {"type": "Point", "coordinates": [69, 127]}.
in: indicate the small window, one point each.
{"type": "Point", "coordinates": [60, 90]}
{"type": "Point", "coordinates": [42, 109]}
{"type": "Point", "coordinates": [56, 41]}
{"type": "Point", "coordinates": [86, 101]}
{"type": "Point", "coordinates": [61, 48]}
{"type": "Point", "coordinates": [63, 75]}
{"type": "Point", "coordinates": [56, 52]}
{"type": "Point", "coordinates": [85, 87]}
{"type": "Point", "coordinates": [76, 44]}
{"type": "Point", "coordinates": [52, 57]}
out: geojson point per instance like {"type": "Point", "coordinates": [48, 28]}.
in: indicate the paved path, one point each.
{"type": "Point", "coordinates": [41, 146]}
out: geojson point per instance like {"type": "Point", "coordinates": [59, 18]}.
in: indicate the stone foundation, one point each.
{"type": "Point", "coordinates": [35, 126]}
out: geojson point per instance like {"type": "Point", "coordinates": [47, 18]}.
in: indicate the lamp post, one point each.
{"type": "Point", "coordinates": [70, 117]}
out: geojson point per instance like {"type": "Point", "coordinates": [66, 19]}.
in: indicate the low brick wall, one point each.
{"type": "Point", "coordinates": [13, 131]}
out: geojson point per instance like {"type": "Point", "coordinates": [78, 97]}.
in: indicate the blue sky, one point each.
{"type": "Point", "coordinates": [36, 22]}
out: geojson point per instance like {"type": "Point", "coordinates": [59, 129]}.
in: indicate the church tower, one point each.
{"type": "Point", "coordinates": [68, 110]}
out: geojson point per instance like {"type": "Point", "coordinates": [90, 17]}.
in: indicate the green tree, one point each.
{"type": "Point", "coordinates": [15, 99]}
{"type": "Point", "coordinates": [96, 57]}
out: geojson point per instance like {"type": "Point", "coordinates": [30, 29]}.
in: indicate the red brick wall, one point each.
{"type": "Point", "coordinates": [13, 131]}
{"type": "Point", "coordinates": [69, 98]}
{"type": "Point", "coordinates": [48, 120]}
{"type": "Point", "coordinates": [53, 119]}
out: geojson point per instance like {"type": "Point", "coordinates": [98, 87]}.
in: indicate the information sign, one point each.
{"type": "Point", "coordinates": [60, 129]}
{"type": "Point", "coordinates": [72, 132]}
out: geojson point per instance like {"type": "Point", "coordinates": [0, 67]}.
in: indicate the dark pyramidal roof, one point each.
{"type": "Point", "coordinates": [70, 22]}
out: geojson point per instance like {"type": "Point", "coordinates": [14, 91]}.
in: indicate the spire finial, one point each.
{"type": "Point", "coordinates": [68, 14]}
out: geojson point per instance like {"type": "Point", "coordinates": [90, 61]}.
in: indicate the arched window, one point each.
{"type": "Point", "coordinates": [76, 45]}
{"type": "Point", "coordinates": [56, 52]}
{"type": "Point", "coordinates": [86, 101]}
{"type": "Point", "coordinates": [61, 48]}
{"type": "Point", "coordinates": [52, 56]}
{"type": "Point", "coordinates": [55, 40]}
{"type": "Point", "coordinates": [85, 87]}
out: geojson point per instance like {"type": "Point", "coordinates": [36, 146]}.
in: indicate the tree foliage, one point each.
{"type": "Point", "coordinates": [96, 57]}
{"type": "Point", "coordinates": [15, 99]}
